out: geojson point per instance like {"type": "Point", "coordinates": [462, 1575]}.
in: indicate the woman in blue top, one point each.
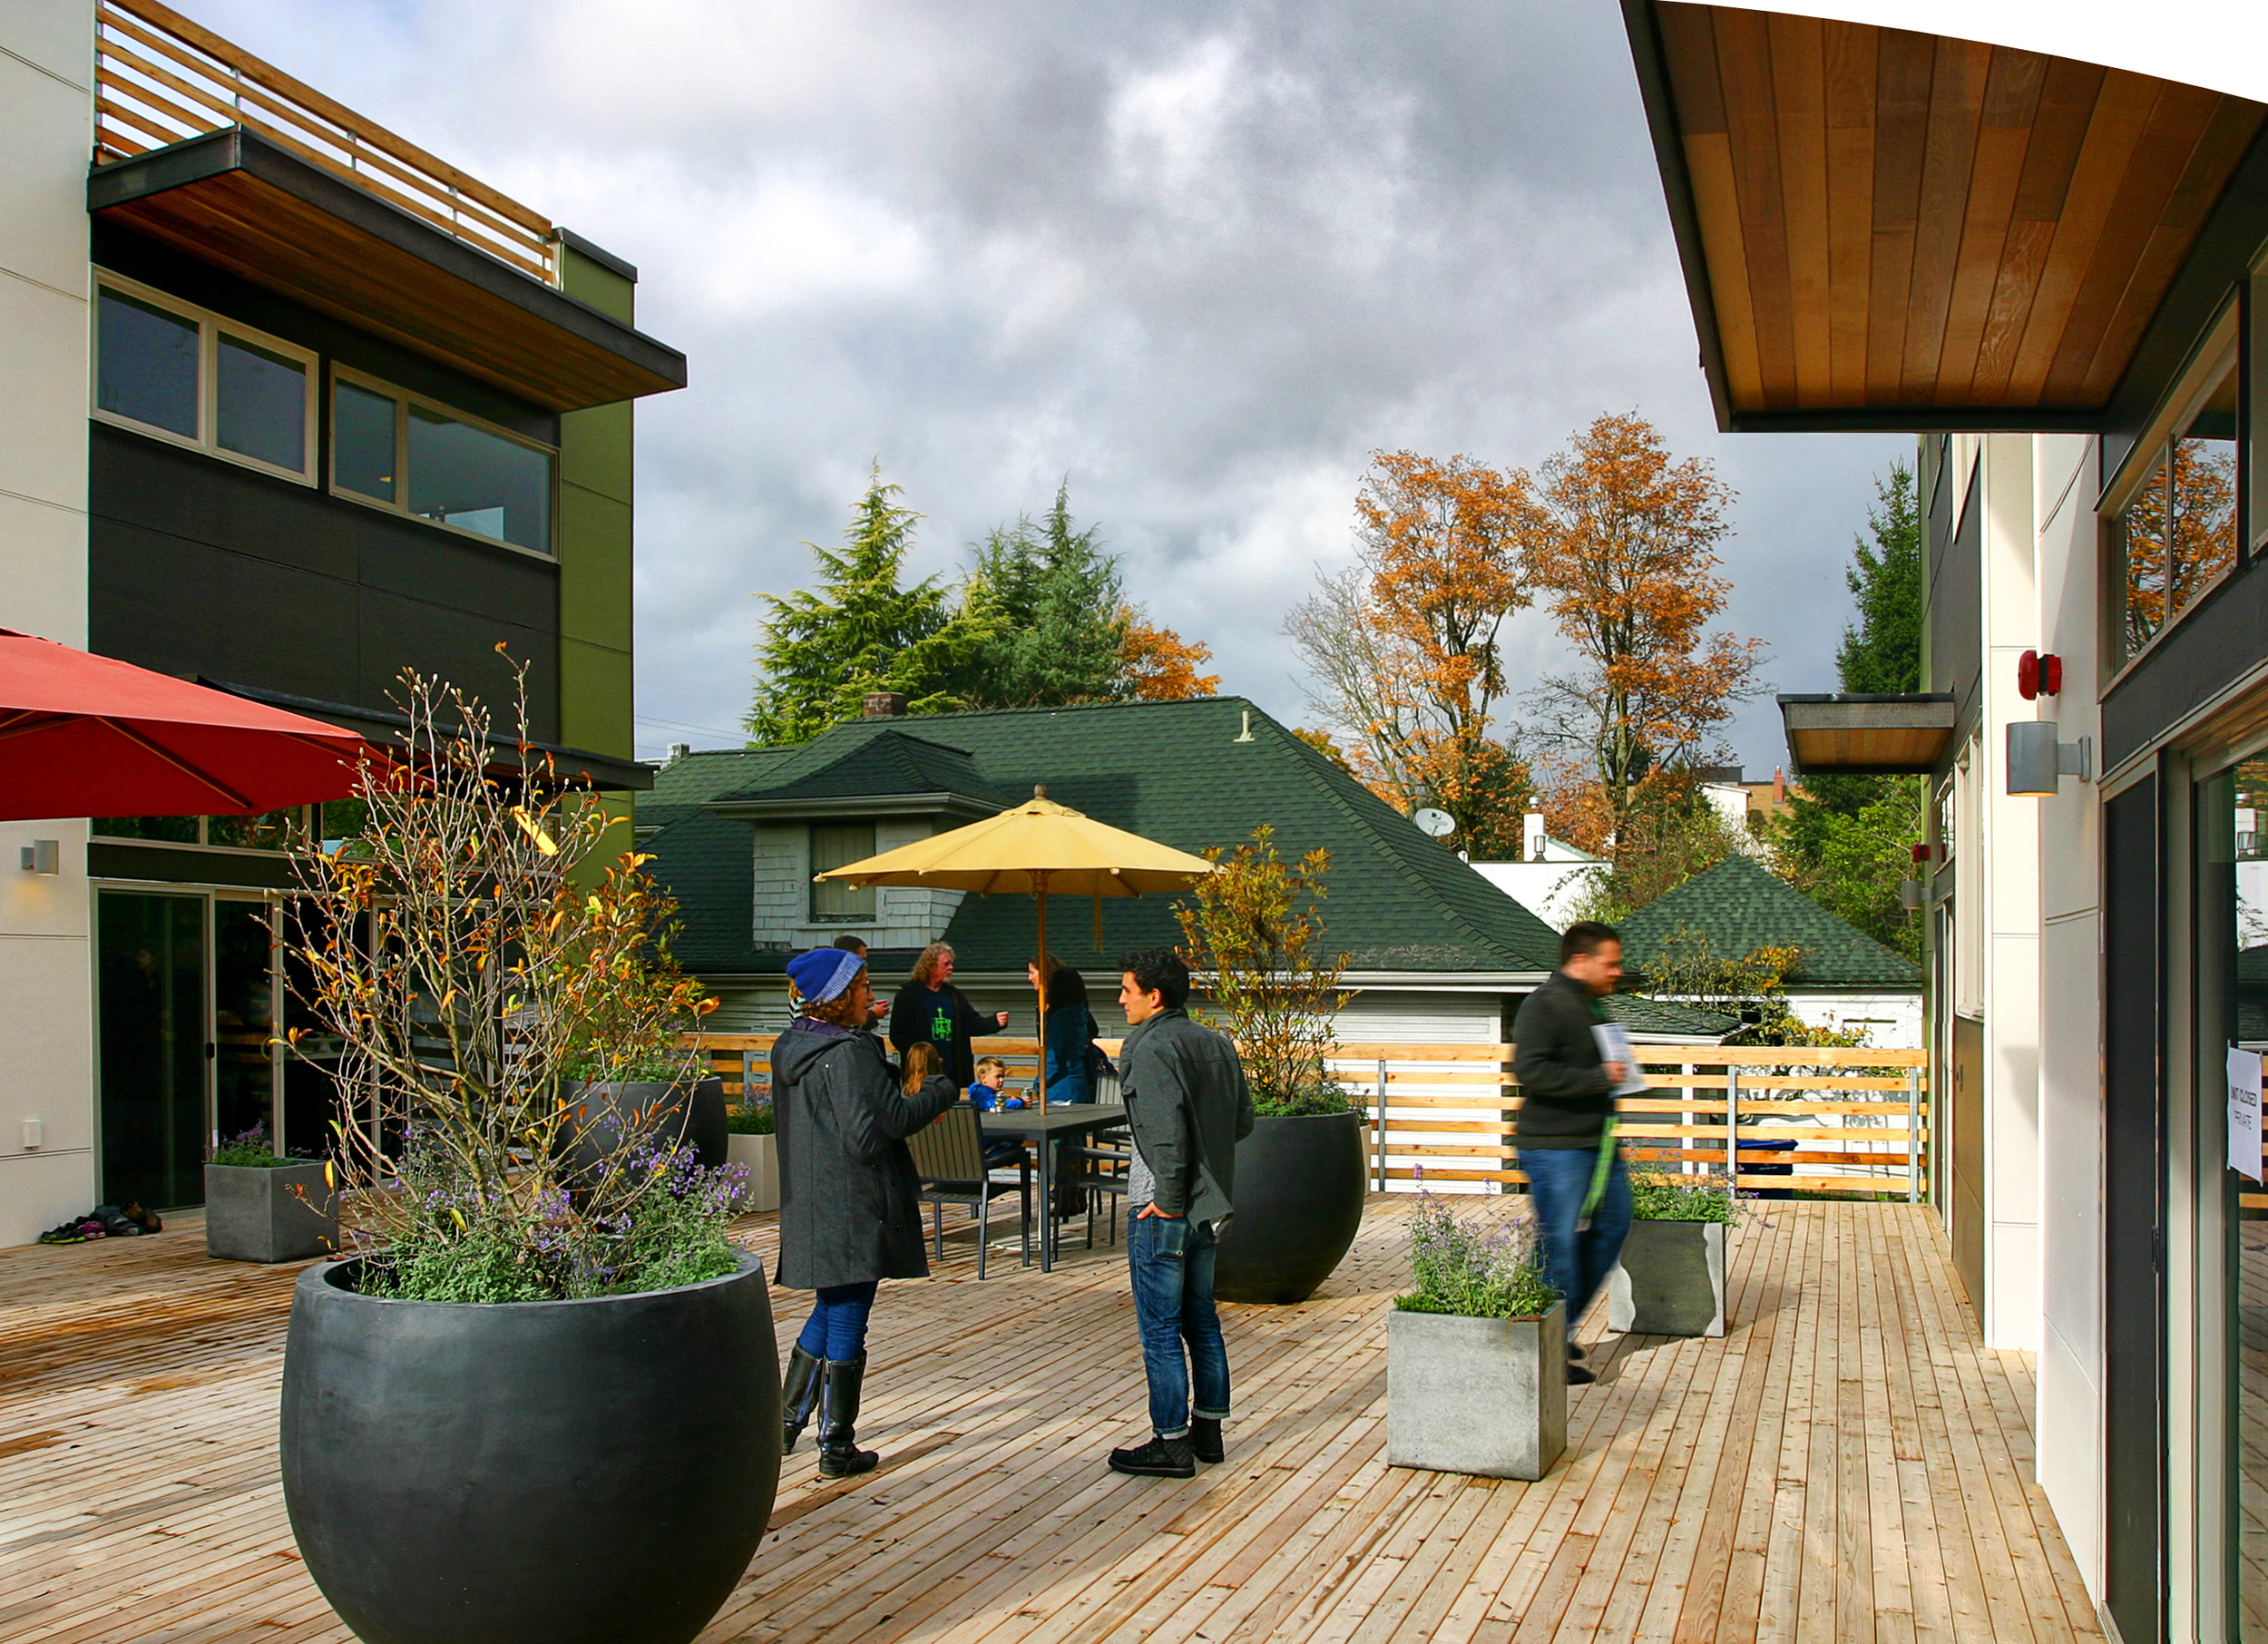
{"type": "Point", "coordinates": [1073, 1061]}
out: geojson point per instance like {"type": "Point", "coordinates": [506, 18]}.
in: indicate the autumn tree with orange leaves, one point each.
{"type": "Point", "coordinates": [1623, 550]}
{"type": "Point", "coordinates": [1402, 648]}
{"type": "Point", "coordinates": [1157, 664]}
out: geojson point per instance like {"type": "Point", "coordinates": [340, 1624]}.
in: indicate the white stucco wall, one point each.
{"type": "Point", "coordinates": [1892, 1020]}
{"type": "Point", "coordinates": [1549, 890]}
{"type": "Point", "coordinates": [47, 1024]}
{"type": "Point", "coordinates": [2070, 1407]}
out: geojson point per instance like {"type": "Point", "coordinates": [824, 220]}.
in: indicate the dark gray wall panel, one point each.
{"type": "Point", "coordinates": [2215, 644]}
{"type": "Point", "coordinates": [1956, 600]}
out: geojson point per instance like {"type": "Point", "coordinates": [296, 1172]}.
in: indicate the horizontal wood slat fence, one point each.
{"type": "Point", "coordinates": [1838, 1120]}
{"type": "Point", "coordinates": [161, 79]}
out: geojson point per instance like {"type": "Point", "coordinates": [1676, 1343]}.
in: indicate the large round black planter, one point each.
{"type": "Point", "coordinates": [592, 1472]}
{"type": "Point", "coordinates": [691, 1112]}
{"type": "Point", "coordinates": [1299, 1204]}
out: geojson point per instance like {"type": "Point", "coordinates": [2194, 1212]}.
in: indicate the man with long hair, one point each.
{"type": "Point", "coordinates": [930, 1010]}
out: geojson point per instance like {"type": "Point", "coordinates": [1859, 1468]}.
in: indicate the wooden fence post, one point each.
{"type": "Point", "coordinates": [1914, 1136]}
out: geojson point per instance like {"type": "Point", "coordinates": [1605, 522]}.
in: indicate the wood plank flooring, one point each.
{"type": "Point", "coordinates": [1848, 1463]}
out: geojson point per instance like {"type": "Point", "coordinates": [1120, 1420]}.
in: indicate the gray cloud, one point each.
{"type": "Point", "coordinates": [1200, 258]}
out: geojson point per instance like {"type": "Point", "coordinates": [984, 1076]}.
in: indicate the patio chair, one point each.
{"type": "Point", "coordinates": [1101, 1175]}
{"type": "Point", "coordinates": [949, 1155]}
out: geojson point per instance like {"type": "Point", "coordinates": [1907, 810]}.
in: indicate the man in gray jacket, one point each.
{"type": "Point", "coordinates": [1188, 1107]}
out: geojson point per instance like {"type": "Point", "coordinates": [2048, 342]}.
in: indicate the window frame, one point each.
{"type": "Point", "coordinates": [813, 917]}
{"type": "Point", "coordinates": [209, 327]}
{"type": "Point", "coordinates": [399, 508]}
{"type": "Point", "coordinates": [2217, 355]}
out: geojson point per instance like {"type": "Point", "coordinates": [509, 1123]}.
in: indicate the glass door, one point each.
{"type": "Point", "coordinates": [243, 1019]}
{"type": "Point", "coordinates": [149, 959]}
{"type": "Point", "coordinates": [2233, 1026]}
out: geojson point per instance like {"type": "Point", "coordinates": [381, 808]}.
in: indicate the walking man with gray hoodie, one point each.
{"type": "Point", "coordinates": [1188, 1106]}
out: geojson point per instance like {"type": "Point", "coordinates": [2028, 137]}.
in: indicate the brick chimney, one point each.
{"type": "Point", "coordinates": [885, 705]}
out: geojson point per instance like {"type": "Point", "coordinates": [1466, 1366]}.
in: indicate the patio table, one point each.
{"type": "Point", "coordinates": [1060, 1120]}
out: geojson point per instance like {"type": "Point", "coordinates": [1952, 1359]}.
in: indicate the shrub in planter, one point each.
{"type": "Point", "coordinates": [1670, 1279]}
{"type": "Point", "coordinates": [536, 1346]}
{"type": "Point", "coordinates": [1476, 1352]}
{"type": "Point", "coordinates": [1253, 926]}
{"type": "Point", "coordinates": [260, 1206]}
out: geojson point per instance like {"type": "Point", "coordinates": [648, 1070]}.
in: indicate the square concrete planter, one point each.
{"type": "Point", "coordinates": [1670, 1280]}
{"type": "Point", "coordinates": [1481, 1396]}
{"type": "Point", "coordinates": [761, 1155]}
{"type": "Point", "coordinates": [269, 1213]}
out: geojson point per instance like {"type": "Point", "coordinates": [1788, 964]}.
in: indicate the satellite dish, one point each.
{"type": "Point", "coordinates": [1438, 823]}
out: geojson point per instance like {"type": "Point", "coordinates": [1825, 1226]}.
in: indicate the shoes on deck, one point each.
{"type": "Point", "coordinates": [70, 1233]}
{"type": "Point", "coordinates": [1160, 1458]}
{"type": "Point", "coordinates": [1575, 1349]}
{"type": "Point", "coordinates": [1577, 1377]}
{"type": "Point", "coordinates": [1204, 1439]}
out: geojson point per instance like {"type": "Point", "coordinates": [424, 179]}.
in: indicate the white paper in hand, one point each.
{"type": "Point", "coordinates": [1613, 1045]}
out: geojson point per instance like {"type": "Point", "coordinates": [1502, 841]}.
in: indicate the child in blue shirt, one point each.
{"type": "Point", "coordinates": [991, 1073]}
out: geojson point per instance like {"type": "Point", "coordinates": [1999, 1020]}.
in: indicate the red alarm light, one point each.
{"type": "Point", "coordinates": [2039, 676]}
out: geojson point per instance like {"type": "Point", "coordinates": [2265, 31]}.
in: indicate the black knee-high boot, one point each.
{"type": "Point", "coordinates": [839, 1455]}
{"type": "Point", "coordinates": [798, 1391]}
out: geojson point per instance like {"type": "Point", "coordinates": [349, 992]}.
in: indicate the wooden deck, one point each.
{"type": "Point", "coordinates": [1849, 1462]}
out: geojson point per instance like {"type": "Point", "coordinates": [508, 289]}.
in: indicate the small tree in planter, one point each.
{"type": "Point", "coordinates": [1254, 930]}
{"type": "Point", "coordinates": [1671, 1277]}
{"type": "Point", "coordinates": [754, 1144]}
{"type": "Point", "coordinates": [1476, 1351]}
{"type": "Point", "coordinates": [260, 1206]}
{"type": "Point", "coordinates": [538, 1344]}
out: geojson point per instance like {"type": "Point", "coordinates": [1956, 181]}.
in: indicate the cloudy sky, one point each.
{"type": "Point", "coordinates": [1198, 259]}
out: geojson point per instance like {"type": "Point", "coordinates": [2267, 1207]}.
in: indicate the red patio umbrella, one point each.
{"type": "Point", "coordinates": [88, 736]}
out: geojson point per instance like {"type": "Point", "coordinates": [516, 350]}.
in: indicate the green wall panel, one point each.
{"type": "Point", "coordinates": [597, 474]}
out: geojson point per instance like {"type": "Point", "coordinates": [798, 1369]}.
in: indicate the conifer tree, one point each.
{"type": "Point", "coordinates": [1056, 602]}
{"type": "Point", "coordinates": [825, 649]}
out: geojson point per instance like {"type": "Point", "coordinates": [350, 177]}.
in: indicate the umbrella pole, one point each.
{"type": "Point", "coordinates": [1042, 985]}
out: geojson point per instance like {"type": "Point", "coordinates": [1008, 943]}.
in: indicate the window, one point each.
{"type": "Point", "coordinates": [835, 844]}
{"type": "Point", "coordinates": [402, 452]}
{"type": "Point", "coordinates": [2173, 534]}
{"type": "Point", "coordinates": [194, 378]}
{"type": "Point", "coordinates": [273, 830]}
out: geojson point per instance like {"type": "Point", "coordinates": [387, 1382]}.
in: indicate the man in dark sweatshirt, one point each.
{"type": "Point", "coordinates": [1567, 1096]}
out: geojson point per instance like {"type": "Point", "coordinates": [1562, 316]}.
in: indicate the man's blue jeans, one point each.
{"type": "Point", "coordinates": [1577, 1262]}
{"type": "Point", "coordinates": [1173, 1307]}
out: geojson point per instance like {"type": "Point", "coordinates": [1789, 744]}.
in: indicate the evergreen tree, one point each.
{"type": "Point", "coordinates": [826, 648]}
{"type": "Point", "coordinates": [1054, 600]}
{"type": "Point", "coordinates": [1846, 842]}
{"type": "Point", "coordinates": [1882, 652]}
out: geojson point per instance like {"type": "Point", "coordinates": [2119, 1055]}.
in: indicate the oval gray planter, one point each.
{"type": "Point", "coordinates": [592, 1472]}
{"type": "Point", "coordinates": [1300, 1187]}
{"type": "Point", "coordinates": [1486, 1396]}
{"type": "Point", "coordinates": [691, 1112]}
{"type": "Point", "coordinates": [1670, 1280]}
{"type": "Point", "coordinates": [269, 1212]}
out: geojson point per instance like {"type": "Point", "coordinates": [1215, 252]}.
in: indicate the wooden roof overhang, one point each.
{"type": "Point", "coordinates": [233, 199]}
{"type": "Point", "coordinates": [1867, 736]}
{"type": "Point", "coordinates": [1906, 232]}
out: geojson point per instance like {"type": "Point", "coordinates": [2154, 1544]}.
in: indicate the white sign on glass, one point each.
{"type": "Point", "coordinates": [2244, 1113]}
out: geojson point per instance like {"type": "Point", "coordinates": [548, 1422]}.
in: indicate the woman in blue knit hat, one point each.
{"type": "Point", "coordinates": [849, 1205]}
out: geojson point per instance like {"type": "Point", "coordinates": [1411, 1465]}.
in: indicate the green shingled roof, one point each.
{"type": "Point", "coordinates": [1668, 1016]}
{"type": "Point", "coordinates": [1740, 906]}
{"type": "Point", "coordinates": [1191, 774]}
{"type": "Point", "coordinates": [892, 762]}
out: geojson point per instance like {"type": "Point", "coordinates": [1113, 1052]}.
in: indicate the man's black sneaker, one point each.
{"type": "Point", "coordinates": [1162, 1458]}
{"type": "Point", "coordinates": [1577, 1377]}
{"type": "Point", "coordinates": [1204, 1439]}
{"type": "Point", "coordinates": [1575, 1349]}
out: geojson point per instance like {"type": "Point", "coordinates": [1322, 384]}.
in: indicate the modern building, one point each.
{"type": "Point", "coordinates": [1842, 980]}
{"type": "Point", "coordinates": [291, 405]}
{"type": "Point", "coordinates": [2050, 261]}
{"type": "Point", "coordinates": [1553, 878]}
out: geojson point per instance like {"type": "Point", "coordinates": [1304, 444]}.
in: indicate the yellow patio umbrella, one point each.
{"type": "Point", "coordinates": [1041, 848]}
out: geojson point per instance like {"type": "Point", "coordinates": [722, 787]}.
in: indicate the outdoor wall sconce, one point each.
{"type": "Point", "coordinates": [2037, 762]}
{"type": "Point", "coordinates": [42, 857]}
{"type": "Point", "coordinates": [2039, 676]}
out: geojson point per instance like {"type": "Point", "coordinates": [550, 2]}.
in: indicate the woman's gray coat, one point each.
{"type": "Point", "coordinates": [849, 1198]}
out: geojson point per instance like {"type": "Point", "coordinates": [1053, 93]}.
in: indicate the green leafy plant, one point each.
{"type": "Point", "coordinates": [1475, 1267]}
{"type": "Point", "coordinates": [470, 949]}
{"type": "Point", "coordinates": [752, 1117]}
{"type": "Point", "coordinates": [1657, 1196]}
{"type": "Point", "coordinates": [251, 1148]}
{"type": "Point", "coordinates": [1253, 926]}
